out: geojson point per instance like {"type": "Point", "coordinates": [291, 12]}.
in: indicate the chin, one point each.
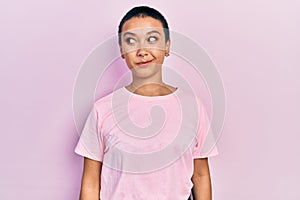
{"type": "Point", "coordinates": [144, 73]}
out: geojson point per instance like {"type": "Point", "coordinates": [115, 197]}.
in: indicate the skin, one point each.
{"type": "Point", "coordinates": [201, 180]}
{"type": "Point", "coordinates": [90, 182]}
{"type": "Point", "coordinates": [140, 47]}
{"type": "Point", "coordinates": [147, 81]}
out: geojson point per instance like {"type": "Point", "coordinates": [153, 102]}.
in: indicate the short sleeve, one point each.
{"type": "Point", "coordinates": [205, 142]}
{"type": "Point", "coordinates": [91, 143]}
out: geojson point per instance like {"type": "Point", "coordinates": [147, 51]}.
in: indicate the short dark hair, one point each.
{"type": "Point", "coordinates": [144, 11]}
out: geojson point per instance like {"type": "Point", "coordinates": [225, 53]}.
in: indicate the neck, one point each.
{"type": "Point", "coordinates": [156, 88]}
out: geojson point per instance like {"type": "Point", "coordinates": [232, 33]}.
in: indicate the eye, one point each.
{"type": "Point", "coordinates": [130, 41]}
{"type": "Point", "coordinates": [152, 39]}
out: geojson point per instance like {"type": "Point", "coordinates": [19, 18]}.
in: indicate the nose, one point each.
{"type": "Point", "coordinates": [142, 52]}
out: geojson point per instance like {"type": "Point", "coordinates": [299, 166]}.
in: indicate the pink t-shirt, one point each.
{"type": "Point", "coordinates": [146, 144]}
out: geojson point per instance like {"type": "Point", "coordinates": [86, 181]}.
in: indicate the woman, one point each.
{"type": "Point", "coordinates": [115, 164]}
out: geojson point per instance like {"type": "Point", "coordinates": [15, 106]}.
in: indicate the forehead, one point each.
{"type": "Point", "coordinates": [141, 24]}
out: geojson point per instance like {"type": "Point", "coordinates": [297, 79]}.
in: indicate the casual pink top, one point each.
{"type": "Point", "coordinates": [146, 144]}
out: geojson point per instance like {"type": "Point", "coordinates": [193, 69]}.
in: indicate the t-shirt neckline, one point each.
{"type": "Point", "coordinates": [151, 97]}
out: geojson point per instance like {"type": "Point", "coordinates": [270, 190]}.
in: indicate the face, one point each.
{"type": "Point", "coordinates": [143, 45]}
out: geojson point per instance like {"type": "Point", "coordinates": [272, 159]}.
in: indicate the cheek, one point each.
{"type": "Point", "coordinates": [159, 55]}
{"type": "Point", "coordinates": [129, 58]}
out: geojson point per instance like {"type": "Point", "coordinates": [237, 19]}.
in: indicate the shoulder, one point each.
{"type": "Point", "coordinates": [107, 97]}
{"type": "Point", "coordinates": [104, 104]}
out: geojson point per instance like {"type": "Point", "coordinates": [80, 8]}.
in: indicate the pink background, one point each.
{"type": "Point", "coordinates": [255, 45]}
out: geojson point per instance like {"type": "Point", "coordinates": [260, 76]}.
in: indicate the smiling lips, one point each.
{"type": "Point", "coordinates": [144, 63]}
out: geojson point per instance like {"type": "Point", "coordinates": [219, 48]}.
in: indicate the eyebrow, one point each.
{"type": "Point", "coordinates": [150, 32]}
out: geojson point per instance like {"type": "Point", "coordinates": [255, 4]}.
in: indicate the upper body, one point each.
{"type": "Point", "coordinates": [155, 163]}
{"type": "Point", "coordinates": [133, 152]}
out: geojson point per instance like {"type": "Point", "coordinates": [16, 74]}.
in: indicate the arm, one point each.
{"type": "Point", "coordinates": [201, 180]}
{"type": "Point", "coordinates": [91, 184]}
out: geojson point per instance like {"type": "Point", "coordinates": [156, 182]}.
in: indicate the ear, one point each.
{"type": "Point", "coordinates": [121, 51]}
{"type": "Point", "coordinates": [168, 44]}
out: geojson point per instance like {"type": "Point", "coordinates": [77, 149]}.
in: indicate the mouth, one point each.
{"type": "Point", "coordinates": [144, 63]}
